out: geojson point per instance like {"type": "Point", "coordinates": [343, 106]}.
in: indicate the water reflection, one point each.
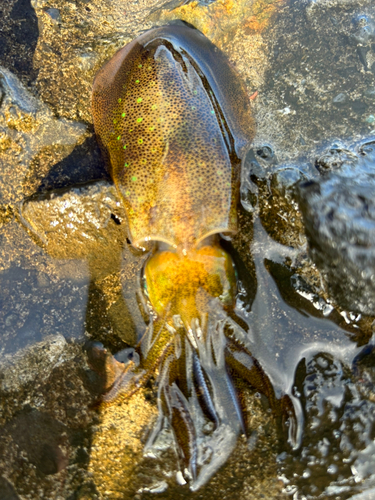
{"type": "Point", "coordinates": [87, 223]}
{"type": "Point", "coordinates": [285, 327]}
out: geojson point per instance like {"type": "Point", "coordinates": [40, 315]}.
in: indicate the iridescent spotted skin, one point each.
{"type": "Point", "coordinates": [173, 120]}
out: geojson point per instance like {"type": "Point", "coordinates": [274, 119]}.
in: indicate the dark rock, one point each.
{"type": "Point", "coordinates": [256, 171]}
{"type": "Point", "coordinates": [359, 106]}
{"type": "Point", "coordinates": [18, 38]}
{"type": "Point", "coordinates": [330, 396]}
{"type": "Point", "coordinates": [253, 172]}
{"type": "Point", "coordinates": [334, 158]}
{"type": "Point", "coordinates": [7, 492]}
{"type": "Point", "coordinates": [41, 437]}
{"type": "Point", "coordinates": [339, 216]}
{"type": "Point", "coordinates": [266, 153]}
{"type": "Point", "coordinates": [285, 179]}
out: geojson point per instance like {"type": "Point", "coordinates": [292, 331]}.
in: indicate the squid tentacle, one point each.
{"type": "Point", "coordinates": [204, 392]}
{"type": "Point", "coordinates": [236, 403]}
{"type": "Point", "coordinates": [183, 426]}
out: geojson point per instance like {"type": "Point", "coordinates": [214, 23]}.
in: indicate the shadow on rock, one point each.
{"type": "Point", "coordinates": [18, 37]}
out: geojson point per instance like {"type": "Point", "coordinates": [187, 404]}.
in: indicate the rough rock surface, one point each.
{"type": "Point", "coordinates": [339, 215]}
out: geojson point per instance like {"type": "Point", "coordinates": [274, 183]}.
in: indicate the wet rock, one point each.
{"type": "Point", "coordinates": [18, 38]}
{"type": "Point", "coordinates": [364, 36]}
{"type": "Point", "coordinates": [364, 368]}
{"type": "Point", "coordinates": [41, 438]}
{"type": "Point", "coordinates": [272, 190]}
{"type": "Point", "coordinates": [339, 217]}
{"type": "Point", "coordinates": [340, 99]}
{"type": "Point", "coordinates": [219, 20]}
{"type": "Point", "coordinates": [7, 491]}
{"type": "Point", "coordinates": [370, 93]}
{"type": "Point", "coordinates": [177, 3]}
{"type": "Point", "coordinates": [32, 309]}
{"type": "Point", "coordinates": [311, 41]}
{"type": "Point", "coordinates": [254, 171]}
{"type": "Point", "coordinates": [87, 61]}
{"type": "Point", "coordinates": [88, 222]}
{"type": "Point", "coordinates": [27, 127]}
{"type": "Point", "coordinates": [334, 158]}
{"type": "Point", "coordinates": [76, 44]}
{"type": "Point", "coordinates": [284, 180]}
{"type": "Point", "coordinates": [364, 29]}
{"type": "Point", "coordinates": [31, 364]}
{"type": "Point", "coordinates": [341, 457]}
{"type": "Point", "coordinates": [54, 14]}
{"type": "Point", "coordinates": [6, 214]}
{"type": "Point", "coordinates": [72, 223]}
{"type": "Point", "coordinates": [266, 153]}
{"type": "Point", "coordinates": [257, 163]}
{"type": "Point", "coordinates": [358, 106]}
{"type": "Point", "coordinates": [44, 420]}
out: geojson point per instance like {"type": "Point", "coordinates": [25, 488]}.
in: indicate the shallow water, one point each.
{"type": "Point", "coordinates": [312, 64]}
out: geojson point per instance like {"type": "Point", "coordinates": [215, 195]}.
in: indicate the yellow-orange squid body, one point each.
{"type": "Point", "coordinates": [173, 120]}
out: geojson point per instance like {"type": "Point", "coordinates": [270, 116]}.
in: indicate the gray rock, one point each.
{"type": "Point", "coordinates": [370, 93]}
{"type": "Point", "coordinates": [340, 99]}
{"type": "Point", "coordinates": [7, 492]}
{"type": "Point", "coordinates": [28, 127]}
{"type": "Point", "coordinates": [334, 158]}
{"type": "Point", "coordinates": [31, 364]}
{"type": "Point", "coordinates": [339, 215]}
{"type": "Point", "coordinates": [284, 180]}
{"type": "Point", "coordinates": [54, 14]}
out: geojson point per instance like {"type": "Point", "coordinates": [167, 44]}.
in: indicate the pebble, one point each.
{"type": "Point", "coordinates": [340, 99]}
{"type": "Point", "coordinates": [54, 15]}
{"type": "Point", "coordinates": [370, 93]}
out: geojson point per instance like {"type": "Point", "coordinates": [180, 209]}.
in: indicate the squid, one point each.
{"type": "Point", "coordinates": [173, 121]}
